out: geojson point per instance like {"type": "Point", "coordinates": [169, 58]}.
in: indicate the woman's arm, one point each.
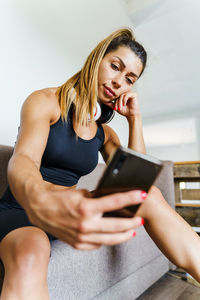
{"type": "Point", "coordinates": [127, 105]}
{"type": "Point", "coordinates": [136, 139]}
{"type": "Point", "coordinates": [24, 178]}
{"type": "Point", "coordinates": [111, 142]}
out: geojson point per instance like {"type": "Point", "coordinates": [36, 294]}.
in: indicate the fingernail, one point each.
{"type": "Point", "coordinates": [142, 221]}
{"type": "Point", "coordinates": [118, 108]}
{"type": "Point", "coordinates": [123, 104]}
{"type": "Point", "coordinates": [143, 195]}
{"type": "Point", "coordinates": [115, 108]}
{"type": "Point", "coordinates": [134, 234]}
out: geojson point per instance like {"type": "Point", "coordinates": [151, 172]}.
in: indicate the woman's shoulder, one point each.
{"type": "Point", "coordinates": [109, 133]}
{"type": "Point", "coordinates": [43, 96]}
{"type": "Point", "coordinates": [44, 102]}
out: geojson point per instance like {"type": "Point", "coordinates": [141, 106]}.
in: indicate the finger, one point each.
{"type": "Point", "coordinates": [71, 239]}
{"type": "Point", "coordinates": [86, 246]}
{"type": "Point", "coordinates": [110, 225]}
{"type": "Point", "coordinates": [80, 246]}
{"type": "Point", "coordinates": [112, 202]}
{"type": "Point", "coordinates": [125, 100]}
{"type": "Point", "coordinates": [120, 102]}
{"type": "Point", "coordinates": [117, 104]}
{"type": "Point", "coordinates": [106, 238]}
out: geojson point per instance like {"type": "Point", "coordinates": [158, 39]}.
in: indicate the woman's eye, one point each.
{"type": "Point", "coordinates": [129, 80]}
{"type": "Point", "coordinates": [115, 67]}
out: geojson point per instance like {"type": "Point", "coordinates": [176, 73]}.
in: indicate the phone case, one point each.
{"type": "Point", "coordinates": [128, 170]}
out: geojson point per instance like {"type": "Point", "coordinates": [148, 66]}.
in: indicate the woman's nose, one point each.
{"type": "Point", "coordinates": [117, 81]}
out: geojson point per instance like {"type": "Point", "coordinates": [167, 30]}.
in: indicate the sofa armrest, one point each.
{"type": "Point", "coordinates": [5, 155]}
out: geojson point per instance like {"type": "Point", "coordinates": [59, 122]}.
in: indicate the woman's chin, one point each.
{"type": "Point", "coordinates": [110, 104]}
{"type": "Point", "coordinates": [107, 102]}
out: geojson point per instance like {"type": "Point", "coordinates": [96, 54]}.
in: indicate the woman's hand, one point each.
{"type": "Point", "coordinates": [74, 217]}
{"type": "Point", "coordinates": [127, 105]}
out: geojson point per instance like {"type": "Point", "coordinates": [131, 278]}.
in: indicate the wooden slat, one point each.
{"type": "Point", "coordinates": [193, 194]}
{"type": "Point", "coordinates": [187, 179]}
{"type": "Point", "coordinates": [177, 191]}
{"type": "Point", "coordinates": [190, 214]}
{"type": "Point", "coordinates": [187, 205]}
{"type": "Point", "coordinates": [187, 171]}
{"type": "Point", "coordinates": [186, 162]}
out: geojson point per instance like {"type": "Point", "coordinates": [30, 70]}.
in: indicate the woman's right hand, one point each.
{"type": "Point", "coordinates": [73, 216]}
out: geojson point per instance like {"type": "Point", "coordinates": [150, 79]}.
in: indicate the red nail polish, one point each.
{"type": "Point", "coordinates": [118, 108]}
{"type": "Point", "coordinates": [115, 108]}
{"type": "Point", "coordinates": [134, 234]}
{"type": "Point", "coordinates": [143, 195]}
{"type": "Point", "coordinates": [142, 221]}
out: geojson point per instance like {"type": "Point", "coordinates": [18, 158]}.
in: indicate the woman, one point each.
{"type": "Point", "coordinates": [57, 144]}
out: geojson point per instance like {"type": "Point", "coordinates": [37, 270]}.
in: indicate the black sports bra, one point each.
{"type": "Point", "coordinates": [66, 158]}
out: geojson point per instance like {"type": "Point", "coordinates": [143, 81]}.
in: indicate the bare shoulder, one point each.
{"type": "Point", "coordinates": [110, 134]}
{"type": "Point", "coordinates": [110, 143]}
{"type": "Point", "coordinates": [42, 103]}
{"type": "Point", "coordinates": [39, 110]}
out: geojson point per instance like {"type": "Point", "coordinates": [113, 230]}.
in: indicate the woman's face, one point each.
{"type": "Point", "coordinates": [118, 71]}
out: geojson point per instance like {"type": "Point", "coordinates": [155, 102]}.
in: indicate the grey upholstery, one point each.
{"type": "Point", "coordinates": [124, 271]}
{"type": "Point", "coordinates": [5, 154]}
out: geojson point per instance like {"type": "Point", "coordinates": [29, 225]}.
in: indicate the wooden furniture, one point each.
{"type": "Point", "coordinates": [188, 171]}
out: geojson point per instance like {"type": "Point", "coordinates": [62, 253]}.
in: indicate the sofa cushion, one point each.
{"type": "Point", "coordinates": [85, 274]}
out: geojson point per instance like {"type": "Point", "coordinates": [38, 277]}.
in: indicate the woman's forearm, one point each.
{"type": "Point", "coordinates": [25, 180]}
{"type": "Point", "coordinates": [136, 139]}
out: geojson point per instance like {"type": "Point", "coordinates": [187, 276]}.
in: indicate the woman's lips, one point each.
{"type": "Point", "coordinates": [109, 92]}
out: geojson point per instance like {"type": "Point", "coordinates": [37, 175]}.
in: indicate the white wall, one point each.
{"type": "Point", "coordinates": [175, 137]}
{"type": "Point", "coordinates": [45, 42]}
{"type": "Point", "coordinates": [169, 87]}
{"type": "Point", "coordinates": [181, 152]}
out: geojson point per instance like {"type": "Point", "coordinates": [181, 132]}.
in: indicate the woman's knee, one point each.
{"type": "Point", "coordinates": [153, 201]}
{"type": "Point", "coordinates": [25, 249]}
{"type": "Point", "coordinates": [155, 196]}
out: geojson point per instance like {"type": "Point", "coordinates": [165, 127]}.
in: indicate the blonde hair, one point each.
{"type": "Point", "coordinates": [82, 88]}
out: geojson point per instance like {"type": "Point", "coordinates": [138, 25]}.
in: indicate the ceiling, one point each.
{"type": "Point", "coordinates": [169, 30]}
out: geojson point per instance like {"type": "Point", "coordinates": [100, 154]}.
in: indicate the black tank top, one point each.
{"type": "Point", "coordinates": [66, 158]}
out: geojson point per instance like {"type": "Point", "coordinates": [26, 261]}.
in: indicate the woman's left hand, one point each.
{"type": "Point", "coordinates": [127, 105]}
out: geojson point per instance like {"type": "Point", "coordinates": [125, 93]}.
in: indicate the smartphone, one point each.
{"type": "Point", "coordinates": [128, 170]}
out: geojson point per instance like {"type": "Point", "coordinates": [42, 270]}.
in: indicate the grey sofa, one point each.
{"type": "Point", "coordinates": [119, 272]}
